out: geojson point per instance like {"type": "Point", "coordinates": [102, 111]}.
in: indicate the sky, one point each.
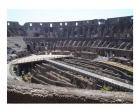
{"type": "Point", "coordinates": [35, 15]}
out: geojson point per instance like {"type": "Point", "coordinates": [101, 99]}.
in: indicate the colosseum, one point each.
{"type": "Point", "coordinates": [88, 61]}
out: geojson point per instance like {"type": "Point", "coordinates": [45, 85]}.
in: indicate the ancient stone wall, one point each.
{"type": "Point", "coordinates": [106, 37]}
{"type": "Point", "coordinates": [121, 27]}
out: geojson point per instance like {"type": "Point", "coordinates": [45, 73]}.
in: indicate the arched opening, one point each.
{"type": "Point", "coordinates": [30, 24]}
{"type": "Point", "coordinates": [28, 48]}
{"type": "Point", "coordinates": [51, 25]}
{"type": "Point", "coordinates": [8, 24]}
{"type": "Point", "coordinates": [65, 24]}
{"type": "Point", "coordinates": [60, 24]}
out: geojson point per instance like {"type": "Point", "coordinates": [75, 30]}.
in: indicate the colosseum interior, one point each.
{"type": "Point", "coordinates": [70, 62]}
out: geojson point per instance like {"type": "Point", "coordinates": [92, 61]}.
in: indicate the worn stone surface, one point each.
{"type": "Point", "coordinates": [20, 92]}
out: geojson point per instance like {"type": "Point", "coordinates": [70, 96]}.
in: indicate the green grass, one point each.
{"type": "Point", "coordinates": [27, 77]}
{"type": "Point", "coordinates": [106, 88]}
